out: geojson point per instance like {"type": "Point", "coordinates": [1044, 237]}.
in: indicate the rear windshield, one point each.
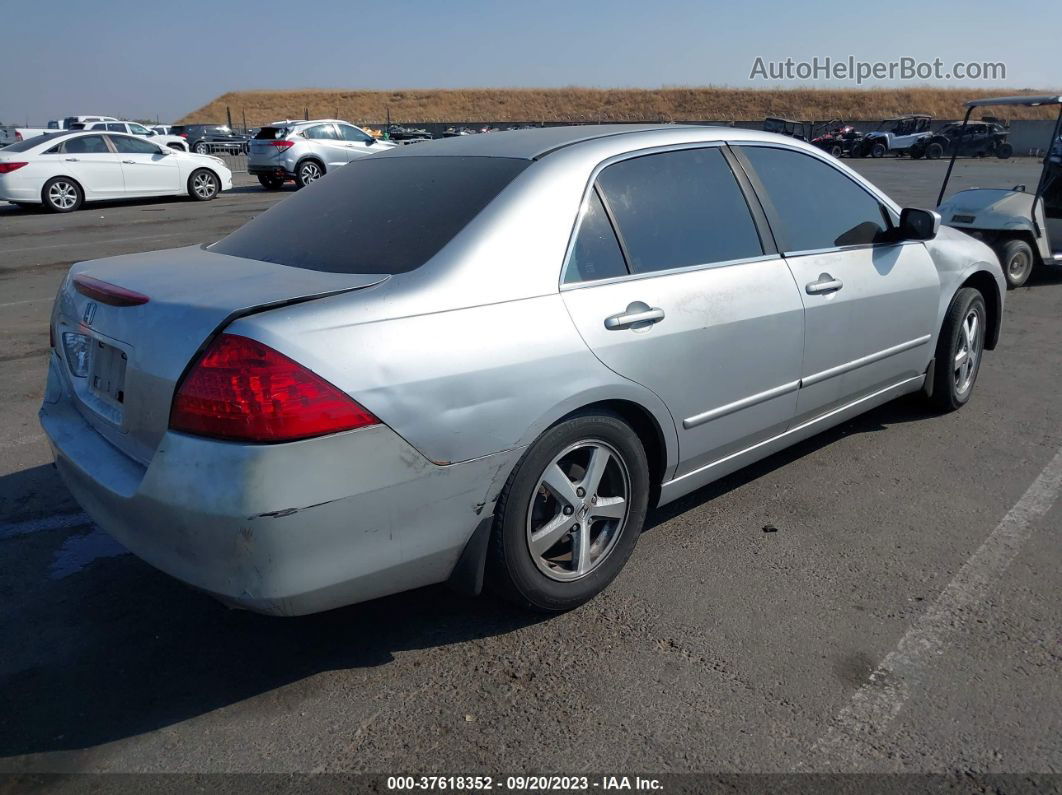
{"type": "Point", "coordinates": [178, 128]}
{"type": "Point", "coordinates": [376, 215]}
{"type": "Point", "coordinates": [270, 133]}
{"type": "Point", "coordinates": [29, 143]}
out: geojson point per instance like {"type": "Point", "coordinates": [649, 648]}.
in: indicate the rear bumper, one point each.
{"type": "Point", "coordinates": [270, 171]}
{"type": "Point", "coordinates": [282, 529]}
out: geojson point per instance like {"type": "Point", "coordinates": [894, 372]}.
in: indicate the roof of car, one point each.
{"type": "Point", "coordinates": [528, 144]}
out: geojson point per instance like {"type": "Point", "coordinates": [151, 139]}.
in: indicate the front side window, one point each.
{"type": "Point", "coordinates": [136, 129]}
{"type": "Point", "coordinates": [596, 253]}
{"type": "Point", "coordinates": [133, 146]}
{"type": "Point", "coordinates": [86, 145]}
{"type": "Point", "coordinates": [816, 205]}
{"type": "Point", "coordinates": [349, 133]}
{"type": "Point", "coordinates": [320, 132]}
{"type": "Point", "coordinates": [681, 208]}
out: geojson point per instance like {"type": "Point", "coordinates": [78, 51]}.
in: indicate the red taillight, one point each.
{"type": "Point", "coordinates": [107, 293]}
{"type": "Point", "coordinates": [282, 144]}
{"type": "Point", "coordinates": [243, 390]}
{"type": "Point", "coordinates": [183, 135]}
{"type": "Point", "coordinates": [18, 135]}
{"type": "Point", "coordinates": [7, 168]}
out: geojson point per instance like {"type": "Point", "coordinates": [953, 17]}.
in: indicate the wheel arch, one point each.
{"type": "Point", "coordinates": [314, 158]}
{"type": "Point", "coordinates": [985, 283]}
{"type": "Point", "coordinates": [80, 187]}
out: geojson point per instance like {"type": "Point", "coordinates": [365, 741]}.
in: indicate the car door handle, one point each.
{"type": "Point", "coordinates": [129, 162]}
{"type": "Point", "coordinates": [71, 160]}
{"type": "Point", "coordinates": [630, 318]}
{"type": "Point", "coordinates": [824, 284]}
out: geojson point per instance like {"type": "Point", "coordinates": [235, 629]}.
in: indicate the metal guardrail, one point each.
{"type": "Point", "coordinates": [234, 154]}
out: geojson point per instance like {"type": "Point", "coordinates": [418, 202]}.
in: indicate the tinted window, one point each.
{"type": "Point", "coordinates": [269, 133]}
{"type": "Point", "coordinates": [326, 131]}
{"type": "Point", "coordinates": [86, 144]}
{"type": "Point", "coordinates": [377, 215]}
{"type": "Point", "coordinates": [114, 127]}
{"type": "Point", "coordinates": [818, 206]}
{"type": "Point", "coordinates": [679, 208]}
{"type": "Point", "coordinates": [596, 253]}
{"type": "Point", "coordinates": [138, 146]}
{"type": "Point", "coordinates": [30, 143]}
{"type": "Point", "coordinates": [348, 133]}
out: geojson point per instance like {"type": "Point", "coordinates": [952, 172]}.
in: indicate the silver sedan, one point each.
{"type": "Point", "coordinates": [482, 360]}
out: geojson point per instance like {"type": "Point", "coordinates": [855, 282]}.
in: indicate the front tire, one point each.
{"type": "Point", "coordinates": [959, 350]}
{"type": "Point", "coordinates": [62, 195]}
{"type": "Point", "coordinates": [934, 151]}
{"type": "Point", "coordinates": [837, 150]}
{"type": "Point", "coordinates": [879, 150]}
{"type": "Point", "coordinates": [203, 185]}
{"type": "Point", "coordinates": [202, 148]}
{"type": "Point", "coordinates": [1004, 151]}
{"type": "Point", "coordinates": [1016, 257]}
{"type": "Point", "coordinates": [308, 171]}
{"type": "Point", "coordinates": [570, 514]}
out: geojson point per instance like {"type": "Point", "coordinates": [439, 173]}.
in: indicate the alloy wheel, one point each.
{"type": "Point", "coordinates": [968, 353]}
{"type": "Point", "coordinates": [578, 510]}
{"type": "Point", "coordinates": [204, 185]}
{"type": "Point", "coordinates": [62, 195]}
{"type": "Point", "coordinates": [310, 173]}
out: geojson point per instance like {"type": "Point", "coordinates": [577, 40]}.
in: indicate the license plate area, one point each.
{"type": "Point", "coordinates": [106, 380]}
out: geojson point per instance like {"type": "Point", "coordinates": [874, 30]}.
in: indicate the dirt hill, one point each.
{"type": "Point", "coordinates": [588, 104]}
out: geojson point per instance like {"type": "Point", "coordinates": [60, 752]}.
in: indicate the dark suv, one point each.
{"type": "Point", "coordinates": [211, 139]}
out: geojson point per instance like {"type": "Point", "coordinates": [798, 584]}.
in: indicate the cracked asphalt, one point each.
{"type": "Point", "coordinates": [720, 648]}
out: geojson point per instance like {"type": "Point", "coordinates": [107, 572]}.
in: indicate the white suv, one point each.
{"type": "Point", "coordinates": [131, 127]}
{"type": "Point", "coordinates": [306, 150]}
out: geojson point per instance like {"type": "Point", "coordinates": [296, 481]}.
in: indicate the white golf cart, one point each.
{"type": "Point", "coordinates": [1024, 228]}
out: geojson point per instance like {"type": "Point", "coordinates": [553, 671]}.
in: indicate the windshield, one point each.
{"type": "Point", "coordinates": [375, 215]}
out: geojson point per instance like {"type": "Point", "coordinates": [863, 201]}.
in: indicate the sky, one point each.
{"type": "Point", "coordinates": [150, 59]}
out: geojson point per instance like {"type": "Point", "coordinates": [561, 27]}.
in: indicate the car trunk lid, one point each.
{"type": "Point", "coordinates": [137, 352]}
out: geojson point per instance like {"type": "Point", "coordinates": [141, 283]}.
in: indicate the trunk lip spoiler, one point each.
{"type": "Point", "coordinates": [107, 293]}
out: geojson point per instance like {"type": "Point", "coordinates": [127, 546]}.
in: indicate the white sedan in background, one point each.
{"type": "Point", "coordinates": [63, 170]}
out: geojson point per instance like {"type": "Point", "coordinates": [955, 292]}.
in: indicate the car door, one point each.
{"type": "Point", "coordinates": [89, 160]}
{"type": "Point", "coordinates": [146, 170]}
{"type": "Point", "coordinates": [326, 145]}
{"type": "Point", "coordinates": [357, 143]}
{"type": "Point", "coordinates": [671, 285]}
{"type": "Point", "coordinates": [870, 303]}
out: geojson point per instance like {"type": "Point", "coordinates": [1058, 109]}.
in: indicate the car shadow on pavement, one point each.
{"type": "Point", "coordinates": [117, 649]}
{"type": "Point", "coordinates": [910, 408]}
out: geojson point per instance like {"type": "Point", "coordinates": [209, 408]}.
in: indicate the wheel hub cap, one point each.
{"type": "Point", "coordinates": [968, 352]}
{"type": "Point", "coordinates": [578, 510]}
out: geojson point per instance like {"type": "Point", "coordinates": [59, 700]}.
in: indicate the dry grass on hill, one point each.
{"type": "Point", "coordinates": [589, 104]}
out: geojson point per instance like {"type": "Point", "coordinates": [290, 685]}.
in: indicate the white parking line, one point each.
{"type": "Point", "coordinates": [851, 738]}
{"type": "Point", "coordinates": [58, 522]}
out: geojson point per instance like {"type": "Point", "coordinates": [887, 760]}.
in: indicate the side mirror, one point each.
{"type": "Point", "coordinates": [918, 224]}
{"type": "Point", "coordinates": [370, 142]}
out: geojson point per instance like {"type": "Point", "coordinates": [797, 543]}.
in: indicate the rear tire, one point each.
{"type": "Point", "coordinates": [270, 183]}
{"type": "Point", "coordinates": [203, 185]}
{"type": "Point", "coordinates": [308, 171]}
{"type": "Point", "coordinates": [202, 148]}
{"type": "Point", "coordinates": [1004, 151]}
{"type": "Point", "coordinates": [597, 463]}
{"type": "Point", "coordinates": [837, 150]}
{"type": "Point", "coordinates": [1016, 258]}
{"type": "Point", "coordinates": [959, 350]}
{"type": "Point", "coordinates": [62, 195]}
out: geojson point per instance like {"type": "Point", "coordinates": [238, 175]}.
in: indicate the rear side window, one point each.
{"type": "Point", "coordinates": [114, 127]}
{"type": "Point", "coordinates": [676, 209]}
{"type": "Point", "coordinates": [86, 145]}
{"type": "Point", "coordinates": [375, 215]}
{"type": "Point", "coordinates": [320, 131]}
{"type": "Point", "coordinates": [177, 129]}
{"type": "Point", "coordinates": [596, 253]}
{"type": "Point", "coordinates": [818, 206]}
